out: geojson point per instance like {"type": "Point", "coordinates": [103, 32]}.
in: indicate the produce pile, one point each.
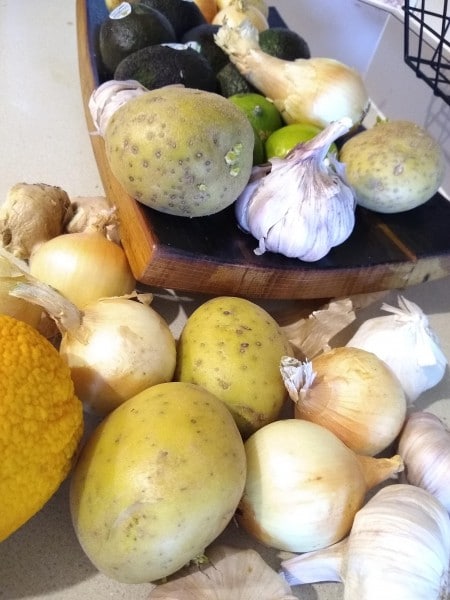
{"type": "Point", "coordinates": [214, 108]}
{"type": "Point", "coordinates": [315, 449]}
{"type": "Point", "coordinates": [236, 418]}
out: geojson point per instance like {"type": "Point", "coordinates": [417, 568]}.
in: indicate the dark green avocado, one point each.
{"type": "Point", "coordinates": [159, 65]}
{"type": "Point", "coordinates": [203, 38]}
{"type": "Point", "coordinates": [283, 43]}
{"type": "Point", "coordinates": [120, 37]}
{"type": "Point", "coordinates": [181, 14]}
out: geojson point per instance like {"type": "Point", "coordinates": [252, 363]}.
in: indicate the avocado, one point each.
{"type": "Point", "coordinates": [160, 65]}
{"type": "Point", "coordinates": [231, 81]}
{"type": "Point", "coordinates": [123, 32]}
{"type": "Point", "coordinates": [202, 36]}
{"type": "Point", "coordinates": [183, 15]}
{"type": "Point", "coordinates": [283, 43]}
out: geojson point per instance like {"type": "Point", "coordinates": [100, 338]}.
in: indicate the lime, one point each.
{"type": "Point", "coordinates": [261, 112]}
{"type": "Point", "coordinates": [281, 141]}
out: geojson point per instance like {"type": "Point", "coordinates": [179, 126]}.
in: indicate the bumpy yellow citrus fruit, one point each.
{"type": "Point", "coordinates": [41, 422]}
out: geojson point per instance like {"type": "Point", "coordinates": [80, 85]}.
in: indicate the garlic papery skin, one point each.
{"type": "Point", "coordinates": [406, 342]}
{"type": "Point", "coordinates": [304, 486]}
{"type": "Point", "coordinates": [424, 445]}
{"type": "Point", "coordinates": [229, 574]}
{"type": "Point", "coordinates": [398, 549]}
{"type": "Point", "coordinates": [303, 207]}
{"type": "Point", "coordinates": [351, 392]}
{"type": "Point", "coordinates": [108, 97]}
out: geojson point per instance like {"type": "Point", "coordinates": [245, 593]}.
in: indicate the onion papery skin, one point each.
{"type": "Point", "coordinates": [304, 486]}
{"type": "Point", "coordinates": [121, 348]}
{"type": "Point", "coordinates": [356, 396]}
{"type": "Point", "coordinates": [83, 267]}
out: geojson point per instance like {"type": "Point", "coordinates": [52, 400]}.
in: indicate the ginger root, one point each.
{"type": "Point", "coordinates": [94, 214]}
{"type": "Point", "coordinates": [32, 214]}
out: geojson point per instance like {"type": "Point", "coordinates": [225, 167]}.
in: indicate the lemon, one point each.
{"type": "Point", "coordinates": [281, 141]}
{"type": "Point", "coordinates": [261, 112]}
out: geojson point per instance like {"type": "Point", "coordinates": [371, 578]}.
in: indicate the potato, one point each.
{"type": "Point", "coordinates": [233, 347]}
{"type": "Point", "coordinates": [181, 151]}
{"type": "Point", "coordinates": [157, 482]}
{"type": "Point", "coordinates": [393, 167]}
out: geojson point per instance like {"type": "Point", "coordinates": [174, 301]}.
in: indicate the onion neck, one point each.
{"type": "Point", "coordinates": [377, 470]}
{"type": "Point", "coordinates": [65, 314]}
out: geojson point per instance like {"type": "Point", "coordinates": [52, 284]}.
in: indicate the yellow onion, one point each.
{"type": "Point", "coordinates": [261, 5]}
{"type": "Point", "coordinates": [9, 305]}
{"type": "Point", "coordinates": [351, 392]}
{"type": "Point", "coordinates": [83, 267]}
{"type": "Point", "coordinates": [304, 486]}
{"type": "Point", "coordinates": [238, 11]}
{"type": "Point", "coordinates": [115, 347]}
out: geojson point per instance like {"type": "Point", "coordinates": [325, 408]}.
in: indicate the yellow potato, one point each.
{"type": "Point", "coordinates": [232, 347]}
{"type": "Point", "coordinates": [157, 482]}
{"type": "Point", "coordinates": [393, 167]}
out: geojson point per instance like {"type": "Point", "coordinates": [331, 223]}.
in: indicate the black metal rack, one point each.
{"type": "Point", "coordinates": [427, 43]}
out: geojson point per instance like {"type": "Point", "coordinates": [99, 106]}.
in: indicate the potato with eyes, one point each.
{"type": "Point", "coordinates": [232, 347]}
{"type": "Point", "coordinates": [393, 167]}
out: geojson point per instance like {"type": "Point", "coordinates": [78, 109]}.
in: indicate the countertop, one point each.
{"type": "Point", "coordinates": [44, 139]}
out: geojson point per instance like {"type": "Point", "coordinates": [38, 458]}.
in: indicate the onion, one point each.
{"type": "Point", "coordinates": [83, 267]}
{"type": "Point", "coordinates": [15, 307]}
{"type": "Point", "coordinates": [115, 347]}
{"type": "Point", "coordinates": [304, 486]}
{"type": "Point", "coordinates": [351, 392]}
{"type": "Point", "coordinates": [238, 11]}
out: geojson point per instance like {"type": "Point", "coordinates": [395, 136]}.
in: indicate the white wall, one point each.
{"type": "Point", "coordinates": [347, 30]}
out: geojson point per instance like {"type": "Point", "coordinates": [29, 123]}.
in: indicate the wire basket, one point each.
{"type": "Point", "coordinates": [427, 43]}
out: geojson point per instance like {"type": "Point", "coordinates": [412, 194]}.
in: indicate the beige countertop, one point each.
{"type": "Point", "coordinates": [44, 139]}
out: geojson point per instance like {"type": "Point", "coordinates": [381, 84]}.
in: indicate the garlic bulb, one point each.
{"type": "Point", "coordinates": [405, 341]}
{"type": "Point", "coordinates": [303, 206]}
{"type": "Point", "coordinates": [110, 96]}
{"type": "Point", "coordinates": [398, 549]}
{"type": "Point", "coordinates": [424, 446]}
{"type": "Point", "coordinates": [229, 574]}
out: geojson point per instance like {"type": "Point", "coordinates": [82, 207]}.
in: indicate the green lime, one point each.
{"type": "Point", "coordinates": [261, 112]}
{"type": "Point", "coordinates": [281, 141]}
